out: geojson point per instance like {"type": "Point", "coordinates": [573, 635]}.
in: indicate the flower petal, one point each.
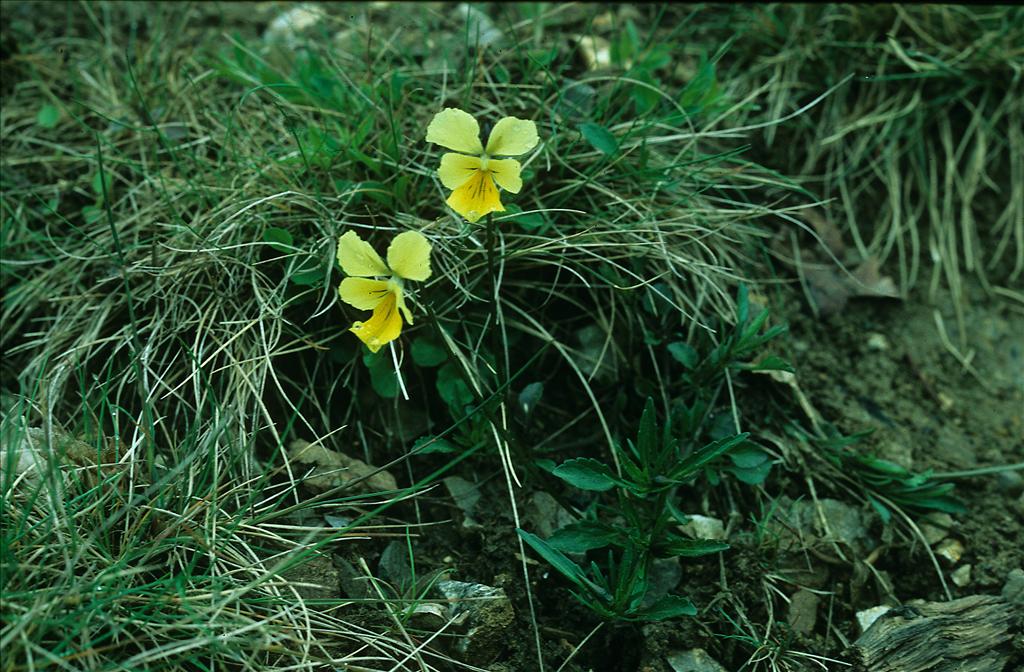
{"type": "Point", "coordinates": [363, 293]}
{"type": "Point", "coordinates": [512, 137]}
{"type": "Point", "coordinates": [383, 326]}
{"type": "Point", "coordinates": [455, 129]}
{"type": "Point", "coordinates": [456, 169]}
{"type": "Point", "coordinates": [476, 198]}
{"type": "Point", "coordinates": [400, 300]}
{"type": "Point", "coordinates": [506, 173]}
{"type": "Point", "coordinates": [409, 256]}
{"type": "Point", "coordinates": [357, 258]}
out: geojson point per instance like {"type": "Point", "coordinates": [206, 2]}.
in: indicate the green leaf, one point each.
{"type": "Point", "coordinates": [48, 116]}
{"type": "Point", "coordinates": [773, 363]}
{"type": "Point", "coordinates": [684, 354]}
{"type": "Point", "coordinates": [100, 180]}
{"type": "Point", "coordinates": [747, 456]}
{"type": "Point", "coordinates": [279, 239]}
{"type": "Point", "coordinates": [584, 536]}
{"type": "Point", "coordinates": [600, 138]}
{"type": "Point", "coordinates": [676, 546]}
{"type": "Point", "coordinates": [752, 475]}
{"type": "Point", "coordinates": [452, 388]}
{"type": "Point", "coordinates": [556, 559]}
{"type": "Point", "coordinates": [587, 474]}
{"type": "Point", "coordinates": [694, 462]}
{"type": "Point", "coordinates": [647, 436]}
{"type": "Point", "coordinates": [431, 444]}
{"type": "Point", "coordinates": [428, 352]}
{"type": "Point", "coordinates": [531, 396]}
{"type": "Point", "coordinates": [669, 606]}
{"type": "Point", "coordinates": [383, 378]}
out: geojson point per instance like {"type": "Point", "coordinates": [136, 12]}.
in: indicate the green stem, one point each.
{"type": "Point", "coordinates": [492, 272]}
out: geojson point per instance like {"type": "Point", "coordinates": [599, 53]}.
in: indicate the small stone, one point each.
{"type": "Point", "coordinates": [961, 576]}
{"type": "Point", "coordinates": [331, 469]}
{"type": "Point", "coordinates": [428, 616]}
{"type": "Point", "coordinates": [803, 611]}
{"type": "Point", "coordinates": [935, 527]}
{"type": "Point", "coordinates": [546, 514]}
{"type": "Point", "coordinates": [877, 342]}
{"type": "Point", "coordinates": [1013, 590]}
{"type": "Point", "coordinates": [1010, 482]}
{"type": "Point", "coordinates": [950, 550]}
{"type": "Point", "coordinates": [868, 616]}
{"type": "Point", "coordinates": [694, 660]}
{"type": "Point", "coordinates": [465, 495]}
{"type": "Point", "coordinates": [488, 616]}
{"type": "Point", "coordinates": [704, 527]}
{"type": "Point", "coordinates": [664, 575]}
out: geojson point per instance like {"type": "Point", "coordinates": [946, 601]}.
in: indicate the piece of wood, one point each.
{"type": "Point", "coordinates": [971, 634]}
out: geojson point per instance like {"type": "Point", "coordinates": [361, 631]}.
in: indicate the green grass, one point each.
{"type": "Point", "coordinates": [173, 187]}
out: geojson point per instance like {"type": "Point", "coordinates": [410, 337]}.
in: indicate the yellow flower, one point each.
{"type": "Point", "coordinates": [408, 259]}
{"type": "Point", "coordinates": [473, 175]}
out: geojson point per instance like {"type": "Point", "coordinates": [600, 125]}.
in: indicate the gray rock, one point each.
{"type": "Point", "coordinates": [1013, 590]}
{"type": "Point", "coordinates": [487, 614]}
{"type": "Point", "coordinates": [803, 611]}
{"type": "Point", "coordinates": [694, 660]}
{"type": "Point", "coordinates": [663, 577]}
{"type": "Point", "coordinates": [546, 514]}
{"type": "Point", "coordinates": [466, 495]}
{"type": "Point", "coordinates": [950, 551]}
{"type": "Point", "coordinates": [704, 527]}
{"type": "Point", "coordinates": [935, 527]}
{"type": "Point", "coordinates": [961, 576]}
{"type": "Point", "coordinates": [867, 617]}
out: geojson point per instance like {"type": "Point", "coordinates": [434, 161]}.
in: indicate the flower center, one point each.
{"type": "Point", "coordinates": [484, 160]}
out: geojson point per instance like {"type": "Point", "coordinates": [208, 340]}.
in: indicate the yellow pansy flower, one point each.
{"type": "Point", "coordinates": [473, 174]}
{"type": "Point", "coordinates": [408, 259]}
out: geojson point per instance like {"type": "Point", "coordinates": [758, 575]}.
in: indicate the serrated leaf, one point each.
{"type": "Point", "coordinates": [427, 352]}
{"type": "Point", "coordinates": [587, 474]}
{"type": "Point", "coordinates": [600, 138]}
{"type": "Point", "coordinates": [692, 463]}
{"type": "Point", "coordinates": [684, 354]}
{"type": "Point", "coordinates": [279, 239]}
{"type": "Point", "coordinates": [48, 116]}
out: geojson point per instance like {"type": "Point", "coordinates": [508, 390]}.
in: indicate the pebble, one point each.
{"type": "Point", "coordinates": [694, 660]}
{"type": "Point", "coordinates": [935, 527]}
{"type": "Point", "coordinates": [1013, 590]}
{"type": "Point", "coordinates": [961, 576]}
{"type": "Point", "coordinates": [803, 611]}
{"type": "Point", "coordinates": [950, 550]}
{"type": "Point", "coordinates": [1010, 482]}
{"type": "Point", "coordinates": [704, 527]}
{"type": "Point", "coordinates": [877, 341]}
{"type": "Point", "coordinates": [868, 616]}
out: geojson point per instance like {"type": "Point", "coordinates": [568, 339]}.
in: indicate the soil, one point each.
{"type": "Point", "coordinates": [878, 364]}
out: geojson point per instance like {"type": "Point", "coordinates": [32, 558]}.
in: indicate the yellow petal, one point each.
{"type": "Point", "coordinates": [456, 169]}
{"type": "Point", "coordinates": [409, 256]}
{"type": "Point", "coordinates": [512, 137]}
{"type": "Point", "coordinates": [400, 301]}
{"type": "Point", "coordinates": [363, 293]}
{"type": "Point", "coordinates": [506, 173]}
{"type": "Point", "coordinates": [455, 129]}
{"type": "Point", "coordinates": [357, 258]}
{"type": "Point", "coordinates": [383, 326]}
{"type": "Point", "coordinates": [476, 198]}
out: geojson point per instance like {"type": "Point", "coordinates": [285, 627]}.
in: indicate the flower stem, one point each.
{"type": "Point", "coordinates": [492, 272]}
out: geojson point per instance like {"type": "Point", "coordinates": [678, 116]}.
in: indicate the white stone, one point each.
{"type": "Point", "coordinates": [868, 616]}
